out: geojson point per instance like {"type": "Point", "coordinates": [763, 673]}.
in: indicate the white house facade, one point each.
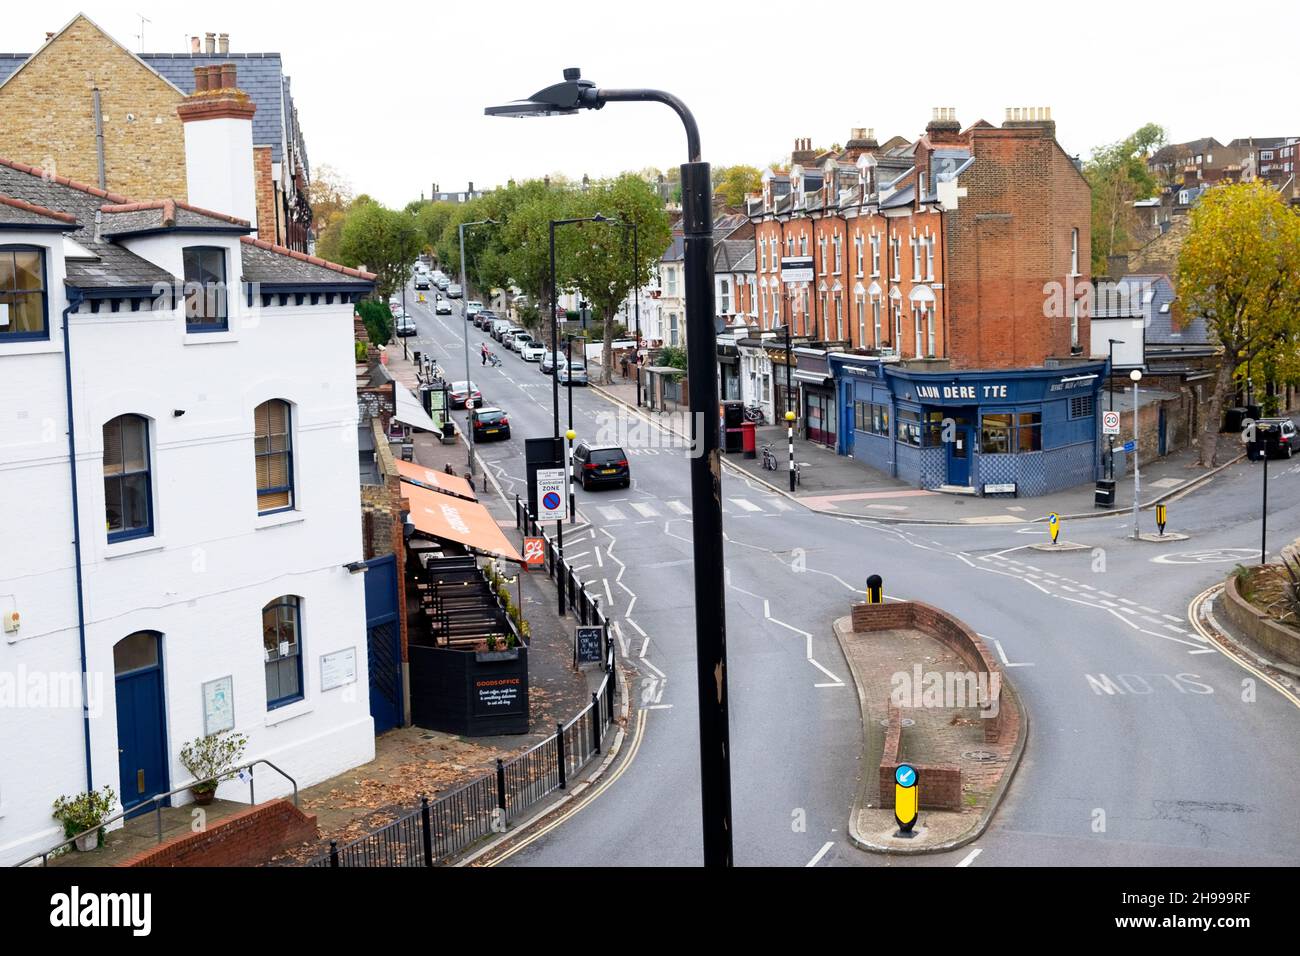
{"type": "Point", "coordinates": [179, 503]}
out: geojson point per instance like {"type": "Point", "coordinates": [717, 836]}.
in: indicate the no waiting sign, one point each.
{"type": "Point", "coordinates": [551, 504]}
{"type": "Point", "coordinates": [1110, 423]}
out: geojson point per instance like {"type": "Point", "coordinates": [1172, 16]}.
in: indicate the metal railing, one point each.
{"type": "Point", "coordinates": [561, 572]}
{"type": "Point", "coordinates": [158, 800]}
{"type": "Point", "coordinates": [438, 831]}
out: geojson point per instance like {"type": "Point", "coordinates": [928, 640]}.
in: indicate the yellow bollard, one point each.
{"type": "Point", "coordinates": [907, 799]}
{"type": "Point", "coordinates": [1054, 526]}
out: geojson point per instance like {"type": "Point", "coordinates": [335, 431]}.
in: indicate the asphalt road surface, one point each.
{"type": "Point", "coordinates": [1145, 747]}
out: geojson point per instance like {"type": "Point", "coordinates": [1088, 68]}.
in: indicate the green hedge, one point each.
{"type": "Point", "coordinates": [378, 319]}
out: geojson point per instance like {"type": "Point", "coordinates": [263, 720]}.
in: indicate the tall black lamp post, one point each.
{"type": "Point", "coordinates": [569, 97]}
{"type": "Point", "coordinates": [469, 382]}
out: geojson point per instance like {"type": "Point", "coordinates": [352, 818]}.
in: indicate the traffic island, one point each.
{"type": "Point", "coordinates": [1059, 546]}
{"type": "Point", "coordinates": [934, 698]}
{"type": "Point", "coordinates": [1162, 538]}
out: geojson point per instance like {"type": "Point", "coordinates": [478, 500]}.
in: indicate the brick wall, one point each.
{"type": "Point", "coordinates": [265, 186]}
{"type": "Point", "coordinates": [952, 633]}
{"type": "Point", "coordinates": [940, 783]}
{"type": "Point", "coordinates": [249, 838]}
{"type": "Point", "coordinates": [381, 520]}
{"type": "Point", "coordinates": [49, 116]}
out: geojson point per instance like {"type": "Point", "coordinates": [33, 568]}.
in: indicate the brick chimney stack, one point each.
{"type": "Point", "coordinates": [803, 153]}
{"type": "Point", "coordinates": [218, 122]}
{"type": "Point", "coordinates": [1030, 117]}
{"type": "Point", "coordinates": [943, 126]}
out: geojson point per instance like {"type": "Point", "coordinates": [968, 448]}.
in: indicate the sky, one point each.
{"type": "Point", "coordinates": [391, 95]}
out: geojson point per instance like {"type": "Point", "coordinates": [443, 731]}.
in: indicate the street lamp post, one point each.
{"type": "Point", "coordinates": [1136, 376]}
{"type": "Point", "coordinates": [789, 410]}
{"type": "Point", "coordinates": [469, 386]}
{"type": "Point", "coordinates": [1110, 399]}
{"type": "Point", "coordinates": [636, 305]}
{"type": "Point", "coordinates": [706, 465]}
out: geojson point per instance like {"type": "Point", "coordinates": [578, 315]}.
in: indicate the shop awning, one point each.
{"type": "Point", "coordinates": [435, 480]}
{"type": "Point", "coordinates": [454, 519]}
{"type": "Point", "coordinates": [813, 378]}
{"type": "Point", "coordinates": [411, 412]}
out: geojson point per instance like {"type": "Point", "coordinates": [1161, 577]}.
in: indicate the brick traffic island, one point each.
{"type": "Point", "coordinates": [933, 696]}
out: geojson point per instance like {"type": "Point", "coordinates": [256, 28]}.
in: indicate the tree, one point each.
{"type": "Point", "coordinates": [598, 256]}
{"type": "Point", "coordinates": [734, 183]}
{"type": "Point", "coordinates": [1237, 269]}
{"type": "Point", "coordinates": [385, 241]}
{"type": "Point", "coordinates": [1118, 176]}
{"type": "Point", "coordinates": [331, 196]}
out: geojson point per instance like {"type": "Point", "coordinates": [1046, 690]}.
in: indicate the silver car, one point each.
{"type": "Point", "coordinates": [572, 373]}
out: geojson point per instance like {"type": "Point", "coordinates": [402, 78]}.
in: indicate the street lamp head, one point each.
{"type": "Point", "coordinates": [1115, 341]}
{"type": "Point", "coordinates": [1135, 375]}
{"type": "Point", "coordinates": [789, 416]}
{"type": "Point", "coordinates": [562, 99]}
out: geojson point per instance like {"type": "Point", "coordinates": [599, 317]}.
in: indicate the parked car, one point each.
{"type": "Point", "coordinates": [487, 318]}
{"type": "Point", "coordinates": [532, 351]}
{"type": "Point", "coordinates": [595, 465]}
{"type": "Point", "coordinates": [404, 325]}
{"type": "Point", "coordinates": [422, 280]}
{"type": "Point", "coordinates": [480, 321]}
{"type": "Point", "coordinates": [443, 307]}
{"type": "Point", "coordinates": [489, 421]}
{"type": "Point", "coordinates": [441, 281]}
{"type": "Point", "coordinates": [473, 307]}
{"type": "Point", "coordinates": [517, 340]}
{"type": "Point", "coordinates": [460, 391]}
{"type": "Point", "coordinates": [454, 290]}
{"type": "Point", "coordinates": [500, 327]}
{"type": "Point", "coordinates": [550, 360]}
{"type": "Point", "coordinates": [1278, 436]}
{"type": "Point", "coordinates": [572, 373]}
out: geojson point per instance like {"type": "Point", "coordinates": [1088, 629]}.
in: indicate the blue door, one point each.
{"type": "Point", "coordinates": [384, 644]}
{"type": "Point", "coordinates": [141, 721]}
{"type": "Point", "coordinates": [959, 453]}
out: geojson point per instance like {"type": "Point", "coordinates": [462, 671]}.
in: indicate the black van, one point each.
{"type": "Point", "coordinates": [595, 465]}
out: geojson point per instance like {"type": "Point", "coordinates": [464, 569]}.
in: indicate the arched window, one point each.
{"type": "Point", "coordinates": [282, 645]}
{"type": "Point", "coordinates": [128, 492]}
{"type": "Point", "coordinates": [273, 451]}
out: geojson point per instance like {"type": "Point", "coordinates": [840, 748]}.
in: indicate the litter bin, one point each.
{"type": "Point", "coordinates": [749, 439]}
{"type": "Point", "coordinates": [1232, 418]}
{"type": "Point", "coordinates": [1104, 496]}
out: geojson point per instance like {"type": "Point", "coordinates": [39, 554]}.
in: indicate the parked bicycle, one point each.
{"type": "Point", "coordinates": [755, 414]}
{"type": "Point", "coordinates": [769, 458]}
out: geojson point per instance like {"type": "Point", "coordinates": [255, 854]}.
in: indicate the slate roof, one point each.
{"type": "Point", "coordinates": [116, 268]}
{"type": "Point", "coordinates": [729, 253]}
{"type": "Point", "coordinates": [19, 212]}
{"type": "Point", "coordinates": [676, 250]}
{"type": "Point", "coordinates": [904, 197]}
{"type": "Point", "coordinates": [127, 219]}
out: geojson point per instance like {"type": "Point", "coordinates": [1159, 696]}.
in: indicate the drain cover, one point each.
{"type": "Point", "coordinates": [981, 755]}
{"type": "Point", "coordinates": [906, 722]}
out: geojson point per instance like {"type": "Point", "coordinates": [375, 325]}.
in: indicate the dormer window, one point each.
{"type": "Point", "coordinates": [24, 308]}
{"type": "Point", "coordinates": [205, 289]}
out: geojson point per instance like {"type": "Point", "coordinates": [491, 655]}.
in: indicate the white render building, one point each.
{"type": "Point", "coordinates": [178, 494]}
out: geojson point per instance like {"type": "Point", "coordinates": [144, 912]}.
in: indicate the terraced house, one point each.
{"type": "Point", "coordinates": [950, 274]}
{"type": "Point", "coordinates": [178, 489]}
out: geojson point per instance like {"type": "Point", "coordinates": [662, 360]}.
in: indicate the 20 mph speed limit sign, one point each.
{"type": "Point", "coordinates": [1110, 423]}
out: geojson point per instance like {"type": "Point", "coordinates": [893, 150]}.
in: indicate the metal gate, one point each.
{"type": "Point", "coordinates": [384, 640]}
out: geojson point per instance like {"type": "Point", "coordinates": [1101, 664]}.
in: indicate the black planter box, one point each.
{"type": "Point", "coordinates": [474, 694]}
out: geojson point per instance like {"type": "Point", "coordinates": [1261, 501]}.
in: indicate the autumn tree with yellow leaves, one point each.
{"type": "Point", "coordinates": [1240, 269]}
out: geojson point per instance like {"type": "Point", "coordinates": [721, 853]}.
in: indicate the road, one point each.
{"type": "Point", "coordinates": [1144, 748]}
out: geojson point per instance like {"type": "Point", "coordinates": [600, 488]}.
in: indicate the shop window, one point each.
{"type": "Point", "coordinates": [995, 434]}
{"type": "Point", "coordinates": [1029, 431]}
{"type": "Point", "coordinates": [871, 418]}
{"type": "Point", "coordinates": [909, 428]}
{"type": "Point", "coordinates": [933, 429]}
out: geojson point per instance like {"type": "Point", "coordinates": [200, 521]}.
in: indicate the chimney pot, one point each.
{"type": "Point", "coordinates": [196, 46]}
{"type": "Point", "coordinates": [471, 187]}
{"type": "Point", "coordinates": [49, 35]}
{"type": "Point", "coordinates": [229, 77]}
{"type": "Point", "coordinates": [223, 43]}
{"type": "Point", "coordinates": [209, 43]}
{"type": "Point", "coordinates": [200, 78]}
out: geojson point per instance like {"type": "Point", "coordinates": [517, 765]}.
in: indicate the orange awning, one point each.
{"type": "Point", "coordinates": [455, 519]}
{"type": "Point", "coordinates": [437, 480]}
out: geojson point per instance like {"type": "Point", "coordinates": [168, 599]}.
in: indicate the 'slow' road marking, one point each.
{"type": "Point", "coordinates": [820, 853]}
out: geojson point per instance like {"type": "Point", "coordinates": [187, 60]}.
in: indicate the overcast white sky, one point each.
{"type": "Point", "coordinates": [392, 94]}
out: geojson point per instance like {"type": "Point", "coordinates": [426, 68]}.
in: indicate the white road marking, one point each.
{"type": "Point", "coordinates": [609, 595]}
{"type": "Point", "coordinates": [780, 504]}
{"type": "Point", "coordinates": [644, 510]}
{"type": "Point", "coordinates": [744, 504]}
{"type": "Point", "coordinates": [679, 507]}
{"type": "Point", "coordinates": [644, 647]}
{"type": "Point", "coordinates": [635, 626]}
{"type": "Point", "coordinates": [1003, 654]}
{"type": "Point", "coordinates": [653, 668]}
{"type": "Point", "coordinates": [658, 707]}
{"type": "Point", "coordinates": [969, 858]}
{"type": "Point", "coordinates": [611, 513]}
{"type": "Point", "coordinates": [820, 853]}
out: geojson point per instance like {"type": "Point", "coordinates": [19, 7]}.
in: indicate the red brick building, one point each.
{"type": "Point", "coordinates": [964, 249]}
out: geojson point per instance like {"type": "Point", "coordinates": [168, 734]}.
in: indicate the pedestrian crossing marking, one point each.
{"type": "Point", "coordinates": [744, 504]}
{"type": "Point", "coordinates": [611, 513]}
{"type": "Point", "coordinates": [679, 507]}
{"type": "Point", "coordinates": [644, 510]}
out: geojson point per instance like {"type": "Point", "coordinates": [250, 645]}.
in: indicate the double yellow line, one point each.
{"type": "Point", "coordinates": [638, 736]}
{"type": "Point", "coordinates": [1228, 651]}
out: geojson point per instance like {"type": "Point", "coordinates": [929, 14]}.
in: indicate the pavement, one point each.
{"type": "Point", "coordinates": [1144, 751]}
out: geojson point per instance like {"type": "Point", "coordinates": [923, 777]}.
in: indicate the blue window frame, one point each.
{"type": "Point", "coordinates": [128, 484]}
{"type": "Point", "coordinates": [24, 303]}
{"type": "Point", "coordinates": [273, 453]}
{"type": "Point", "coordinates": [282, 646]}
{"type": "Point", "coordinates": [206, 296]}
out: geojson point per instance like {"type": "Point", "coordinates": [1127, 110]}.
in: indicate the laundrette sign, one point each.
{"type": "Point", "coordinates": [972, 392]}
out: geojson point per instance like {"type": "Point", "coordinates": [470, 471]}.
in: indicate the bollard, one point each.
{"type": "Point", "coordinates": [426, 829]}
{"type": "Point", "coordinates": [875, 589]}
{"type": "Point", "coordinates": [595, 722]}
{"type": "Point", "coordinates": [501, 786]}
{"type": "Point", "coordinates": [907, 798]}
{"type": "Point", "coordinates": [1161, 515]}
{"type": "Point", "coordinates": [1054, 526]}
{"type": "Point", "coordinates": [559, 750]}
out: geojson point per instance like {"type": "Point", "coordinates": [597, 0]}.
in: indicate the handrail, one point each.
{"type": "Point", "coordinates": [157, 809]}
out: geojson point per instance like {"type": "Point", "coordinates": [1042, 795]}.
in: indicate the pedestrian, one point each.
{"type": "Point", "coordinates": [448, 469]}
{"type": "Point", "coordinates": [485, 351]}
{"type": "Point", "coordinates": [624, 363]}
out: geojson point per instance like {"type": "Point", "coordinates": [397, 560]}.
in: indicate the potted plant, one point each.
{"type": "Point", "coordinates": [210, 758]}
{"type": "Point", "coordinates": [84, 812]}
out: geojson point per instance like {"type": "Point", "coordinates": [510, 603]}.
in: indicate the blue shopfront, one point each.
{"type": "Point", "coordinates": [1025, 432]}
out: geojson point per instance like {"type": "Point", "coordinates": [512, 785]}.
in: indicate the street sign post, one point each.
{"type": "Point", "coordinates": [907, 799]}
{"type": "Point", "coordinates": [551, 501]}
{"type": "Point", "coordinates": [1054, 526]}
{"type": "Point", "coordinates": [1110, 423]}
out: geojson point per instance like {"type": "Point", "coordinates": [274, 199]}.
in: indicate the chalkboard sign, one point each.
{"type": "Point", "coordinates": [588, 641]}
{"type": "Point", "coordinates": [498, 695]}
